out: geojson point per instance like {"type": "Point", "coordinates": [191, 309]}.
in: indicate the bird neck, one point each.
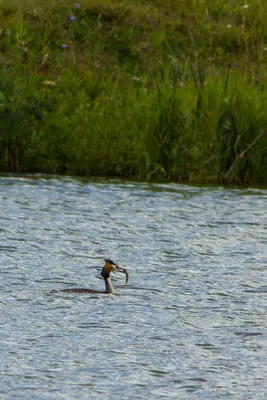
{"type": "Point", "coordinates": [109, 287]}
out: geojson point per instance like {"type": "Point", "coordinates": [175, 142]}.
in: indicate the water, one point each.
{"type": "Point", "coordinates": [192, 322]}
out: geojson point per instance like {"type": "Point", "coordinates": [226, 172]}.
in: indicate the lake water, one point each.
{"type": "Point", "coordinates": [192, 322]}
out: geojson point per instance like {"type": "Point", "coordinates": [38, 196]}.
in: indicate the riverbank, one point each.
{"type": "Point", "coordinates": [152, 89]}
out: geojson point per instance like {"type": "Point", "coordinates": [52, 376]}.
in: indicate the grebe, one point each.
{"type": "Point", "coordinates": [109, 267]}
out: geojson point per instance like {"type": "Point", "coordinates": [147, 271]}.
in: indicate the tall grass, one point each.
{"type": "Point", "coordinates": [134, 89]}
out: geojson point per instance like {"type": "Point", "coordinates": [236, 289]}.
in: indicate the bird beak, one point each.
{"type": "Point", "coordinates": [124, 271]}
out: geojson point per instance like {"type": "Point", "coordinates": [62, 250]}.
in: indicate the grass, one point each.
{"type": "Point", "coordinates": [172, 89]}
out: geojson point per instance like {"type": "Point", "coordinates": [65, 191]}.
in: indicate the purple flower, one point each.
{"type": "Point", "coordinates": [64, 46]}
{"type": "Point", "coordinates": [72, 18]}
{"type": "Point", "coordinates": [77, 5]}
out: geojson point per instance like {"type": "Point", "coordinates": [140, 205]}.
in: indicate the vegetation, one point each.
{"type": "Point", "coordinates": [173, 89]}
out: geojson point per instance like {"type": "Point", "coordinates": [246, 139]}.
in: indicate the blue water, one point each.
{"type": "Point", "coordinates": [191, 324]}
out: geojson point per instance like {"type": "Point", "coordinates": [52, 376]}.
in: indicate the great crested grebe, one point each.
{"type": "Point", "coordinates": [109, 267]}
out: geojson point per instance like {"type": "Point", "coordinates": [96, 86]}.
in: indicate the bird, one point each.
{"type": "Point", "coordinates": [109, 267]}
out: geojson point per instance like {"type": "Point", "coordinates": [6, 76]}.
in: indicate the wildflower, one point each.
{"type": "Point", "coordinates": [77, 5]}
{"type": "Point", "coordinates": [64, 46]}
{"type": "Point", "coordinates": [72, 18]}
{"type": "Point", "coordinates": [245, 6]}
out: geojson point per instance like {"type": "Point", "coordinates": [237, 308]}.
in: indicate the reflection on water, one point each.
{"type": "Point", "coordinates": [191, 323]}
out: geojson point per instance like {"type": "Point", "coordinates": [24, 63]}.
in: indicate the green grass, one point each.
{"type": "Point", "coordinates": [175, 90]}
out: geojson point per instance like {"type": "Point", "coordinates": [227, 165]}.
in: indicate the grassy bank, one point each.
{"type": "Point", "coordinates": [150, 89]}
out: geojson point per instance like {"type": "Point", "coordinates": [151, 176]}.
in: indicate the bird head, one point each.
{"type": "Point", "coordinates": [110, 266]}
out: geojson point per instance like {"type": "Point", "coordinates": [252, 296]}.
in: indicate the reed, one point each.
{"type": "Point", "coordinates": [134, 89]}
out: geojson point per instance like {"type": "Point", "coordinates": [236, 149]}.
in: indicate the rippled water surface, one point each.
{"type": "Point", "coordinates": [192, 322]}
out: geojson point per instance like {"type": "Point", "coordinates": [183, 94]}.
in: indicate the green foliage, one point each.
{"type": "Point", "coordinates": [151, 89]}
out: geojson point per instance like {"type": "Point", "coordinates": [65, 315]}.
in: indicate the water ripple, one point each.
{"type": "Point", "coordinates": [191, 323]}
